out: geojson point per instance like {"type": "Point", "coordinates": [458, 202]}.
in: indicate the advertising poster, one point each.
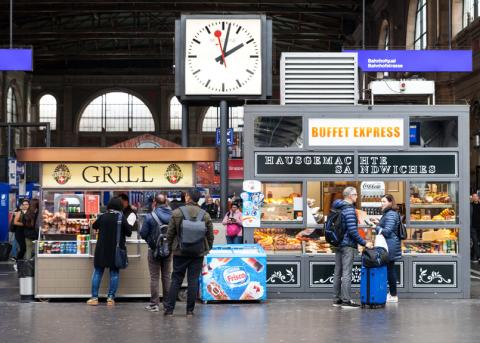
{"type": "Point", "coordinates": [234, 273]}
{"type": "Point", "coordinates": [92, 204]}
{"type": "Point", "coordinates": [252, 203]}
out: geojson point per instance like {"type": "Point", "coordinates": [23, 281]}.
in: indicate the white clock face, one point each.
{"type": "Point", "coordinates": [223, 57]}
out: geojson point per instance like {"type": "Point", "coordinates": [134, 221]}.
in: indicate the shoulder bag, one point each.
{"type": "Point", "coordinates": [121, 259]}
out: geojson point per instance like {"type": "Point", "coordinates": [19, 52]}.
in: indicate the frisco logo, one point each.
{"type": "Point", "coordinates": [235, 276]}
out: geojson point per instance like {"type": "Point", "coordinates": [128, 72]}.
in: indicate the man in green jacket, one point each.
{"type": "Point", "coordinates": [182, 262]}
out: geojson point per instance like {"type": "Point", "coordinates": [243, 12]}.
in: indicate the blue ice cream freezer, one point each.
{"type": "Point", "coordinates": [234, 272]}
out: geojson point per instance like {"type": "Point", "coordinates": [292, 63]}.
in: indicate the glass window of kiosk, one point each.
{"type": "Point", "coordinates": [434, 132]}
{"type": "Point", "coordinates": [431, 241]}
{"type": "Point", "coordinates": [278, 240]}
{"type": "Point", "coordinates": [433, 203]}
{"type": "Point", "coordinates": [66, 222]}
{"type": "Point", "coordinates": [283, 202]}
{"type": "Point", "coordinates": [278, 132]}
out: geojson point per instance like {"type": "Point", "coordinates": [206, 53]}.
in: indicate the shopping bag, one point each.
{"type": "Point", "coordinates": [381, 242]}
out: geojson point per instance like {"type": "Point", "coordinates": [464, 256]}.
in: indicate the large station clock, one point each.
{"type": "Point", "coordinates": [223, 55]}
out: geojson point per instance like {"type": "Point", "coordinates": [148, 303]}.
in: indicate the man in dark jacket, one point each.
{"type": "Point", "coordinates": [475, 226]}
{"type": "Point", "coordinates": [150, 226]}
{"type": "Point", "coordinates": [129, 212]}
{"type": "Point", "coordinates": [345, 253]}
{"type": "Point", "coordinates": [182, 262]}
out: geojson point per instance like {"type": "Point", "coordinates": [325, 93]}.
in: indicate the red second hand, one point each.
{"type": "Point", "coordinates": [218, 34]}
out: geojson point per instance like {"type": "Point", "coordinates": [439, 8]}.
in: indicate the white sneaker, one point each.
{"type": "Point", "coordinates": [391, 299]}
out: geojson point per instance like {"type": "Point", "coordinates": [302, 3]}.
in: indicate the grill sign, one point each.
{"type": "Point", "coordinates": [117, 175]}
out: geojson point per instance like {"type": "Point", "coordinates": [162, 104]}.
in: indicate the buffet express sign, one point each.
{"type": "Point", "coordinates": [117, 175]}
{"type": "Point", "coordinates": [355, 132]}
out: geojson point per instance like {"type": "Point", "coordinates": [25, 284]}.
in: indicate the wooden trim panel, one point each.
{"type": "Point", "coordinates": [117, 155]}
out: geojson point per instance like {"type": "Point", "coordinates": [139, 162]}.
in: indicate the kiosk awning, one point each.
{"type": "Point", "coordinates": [117, 155]}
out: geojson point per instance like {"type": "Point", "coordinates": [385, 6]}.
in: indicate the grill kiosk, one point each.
{"type": "Point", "coordinates": [73, 183]}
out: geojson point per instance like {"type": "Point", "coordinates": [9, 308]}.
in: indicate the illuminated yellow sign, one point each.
{"type": "Point", "coordinates": [117, 175]}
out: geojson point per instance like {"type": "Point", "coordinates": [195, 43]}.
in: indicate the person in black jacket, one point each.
{"type": "Point", "coordinates": [106, 225]}
{"type": "Point", "coordinates": [475, 226]}
{"type": "Point", "coordinates": [129, 212]}
{"type": "Point", "coordinates": [345, 253]}
{"type": "Point", "coordinates": [210, 207]}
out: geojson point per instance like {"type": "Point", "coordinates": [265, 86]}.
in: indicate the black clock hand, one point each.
{"type": "Point", "coordinates": [231, 51]}
{"type": "Point", "coordinates": [226, 40]}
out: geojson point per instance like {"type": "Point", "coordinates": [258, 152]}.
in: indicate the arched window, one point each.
{"type": "Point", "coordinates": [12, 115]}
{"type": "Point", "coordinates": [117, 111]}
{"type": "Point", "coordinates": [471, 10]}
{"type": "Point", "coordinates": [48, 110]}
{"type": "Point", "coordinates": [420, 41]}
{"type": "Point", "coordinates": [212, 119]}
{"type": "Point", "coordinates": [175, 114]}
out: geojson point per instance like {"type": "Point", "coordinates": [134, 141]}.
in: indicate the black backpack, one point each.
{"type": "Point", "coordinates": [192, 233]}
{"type": "Point", "coordinates": [334, 228]}
{"type": "Point", "coordinates": [159, 243]}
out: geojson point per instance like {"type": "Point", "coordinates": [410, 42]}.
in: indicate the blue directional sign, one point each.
{"type": "Point", "coordinates": [16, 59]}
{"type": "Point", "coordinates": [229, 137]}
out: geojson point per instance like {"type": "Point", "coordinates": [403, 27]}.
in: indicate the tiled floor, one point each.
{"type": "Point", "coordinates": [273, 321]}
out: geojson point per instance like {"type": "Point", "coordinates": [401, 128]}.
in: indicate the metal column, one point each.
{"type": "Point", "coordinates": [223, 158]}
{"type": "Point", "coordinates": [185, 127]}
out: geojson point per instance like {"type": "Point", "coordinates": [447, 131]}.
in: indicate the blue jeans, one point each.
{"type": "Point", "coordinates": [97, 280]}
{"type": "Point", "coordinates": [234, 239]}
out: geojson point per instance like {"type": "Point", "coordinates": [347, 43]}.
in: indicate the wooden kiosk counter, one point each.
{"type": "Point", "coordinates": [74, 182]}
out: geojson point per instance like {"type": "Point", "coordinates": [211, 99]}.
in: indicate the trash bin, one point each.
{"type": "Point", "coordinates": [26, 271]}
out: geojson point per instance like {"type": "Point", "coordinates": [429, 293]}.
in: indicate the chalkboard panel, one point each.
{"type": "Point", "coordinates": [321, 274]}
{"type": "Point", "coordinates": [303, 164]}
{"type": "Point", "coordinates": [408, 164]}
{"type": "Point", "coordinates": [283, 274]}
{"type": "Point", "coordinates": [434, 274]}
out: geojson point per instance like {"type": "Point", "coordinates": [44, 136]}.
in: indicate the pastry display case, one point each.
{"type": "Point", "coordinates": [431, 241]}
{"type": "Point", "coordinates": [283, 202]}
{"type": "Point", "coordinates": [275, 240]}
{"type": "Point", "coordinates": [433, 202]}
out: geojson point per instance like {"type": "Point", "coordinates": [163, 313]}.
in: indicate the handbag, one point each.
{"type": "Point", "coordinates": [402, 230]}
{"type": "Point", "coordinates": [121, 258]}
{"type": "Point", "coordinates": [375, 257]}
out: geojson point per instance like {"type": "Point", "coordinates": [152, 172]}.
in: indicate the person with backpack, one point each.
{"type": "Point", "coordinates": [154, 232]}
{"type": "Point", "coordinates": [190, 238]}
{"type": "Point", "coordinates": [342, 233]}
{"type": "Point", "coordinates": [233, 223]}
{"type": "Point", "coordinates": [389, 227]}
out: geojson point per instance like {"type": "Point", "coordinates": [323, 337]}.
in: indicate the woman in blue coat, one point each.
{"type": "Point", "coordinates": [389, 226]}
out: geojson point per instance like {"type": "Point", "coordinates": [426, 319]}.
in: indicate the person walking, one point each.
{"type": "Point", "coordinates": [389, 227]}
{"type": "Point", "coordinates": [475, 227]}
{"type": "Point", "coordinates": [107, 227]}
{"type": "Point", "coordinates": [19, 225]}
{"type": "Point", "coordinates": [233, 223]}
{"type": "Point", "coordinates": [345, 252]}
{"type": "Point", "coordinates": [129, 212]}
{"type": "Point", "coordinates": [210, 207]}
{"type": "Point", "coordinates": [183, 262]}
{"type": "Point", "coordinates": [161, 215]}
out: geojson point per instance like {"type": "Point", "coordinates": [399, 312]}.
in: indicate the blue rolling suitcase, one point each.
{"type": "Point", "coordinates": [373, 287]}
